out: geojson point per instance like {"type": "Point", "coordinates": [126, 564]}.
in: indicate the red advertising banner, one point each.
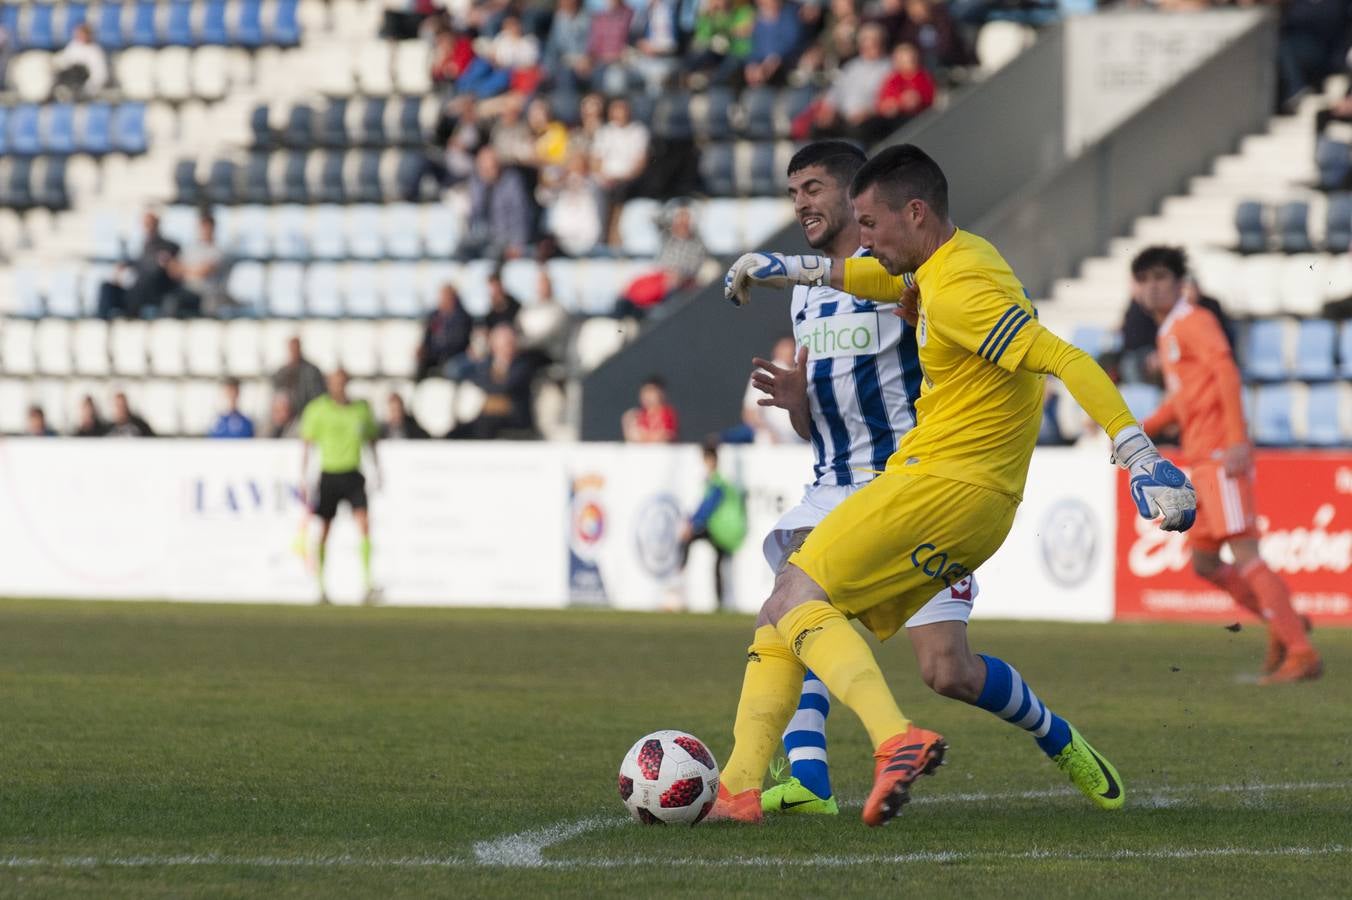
{"type": "Point", "coordinates": [1304, 502]}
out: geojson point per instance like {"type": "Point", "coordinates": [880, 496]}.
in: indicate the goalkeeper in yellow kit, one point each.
{"type": "Point", "coordinates": [941, 508]}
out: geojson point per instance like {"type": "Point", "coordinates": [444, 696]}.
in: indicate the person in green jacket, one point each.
{"type": "Point", "coordinates": [720, 42]}
{"type": "Point", "coordinates": [720, 520]}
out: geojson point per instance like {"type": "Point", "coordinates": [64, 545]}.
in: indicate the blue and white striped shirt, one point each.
{"type": "Point", "coordinates": [863, 381]}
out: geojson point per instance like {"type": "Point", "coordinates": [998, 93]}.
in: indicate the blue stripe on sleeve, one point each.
{"type": "Point", "coordinates": [1023, 320]}
{"type": "Point", "coordinates": [981, 351]}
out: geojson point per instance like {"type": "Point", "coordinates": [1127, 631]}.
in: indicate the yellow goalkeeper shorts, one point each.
{"type": "Point", "coordinates": [887, 549]}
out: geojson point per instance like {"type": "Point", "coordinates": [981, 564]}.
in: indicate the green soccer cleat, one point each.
{"type": "Point", "coordinates": [1091, 773]}
{"type": "Point", "coordinates": [789, 796]}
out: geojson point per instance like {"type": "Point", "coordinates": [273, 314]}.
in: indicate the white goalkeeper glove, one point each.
{"type": "Point", "coordinates": [1158, 487]}
{"type": "Point", "coordinates": [773, 270]}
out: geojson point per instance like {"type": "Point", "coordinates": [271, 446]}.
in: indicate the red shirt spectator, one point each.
{"type": "Point", "coordinates": [610, 33]}
{"type": "Point", "coordinates": [909, 90]}
{"type": "Point", "coordinates": [654, 421]}
{"type": "Point", "coordinates": [453, 54]}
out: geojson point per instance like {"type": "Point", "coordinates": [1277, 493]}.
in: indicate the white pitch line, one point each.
{"type": "Point", "coordinates": [526, 849]}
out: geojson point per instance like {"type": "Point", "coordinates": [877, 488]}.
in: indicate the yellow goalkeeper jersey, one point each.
{"type": "Point", "coordinates": [978, 414]}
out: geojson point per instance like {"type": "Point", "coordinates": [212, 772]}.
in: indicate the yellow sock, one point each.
{"type": "Point", "coordinates": [774, 679]}
{"type": "Point", "coordinates": [825, 641]}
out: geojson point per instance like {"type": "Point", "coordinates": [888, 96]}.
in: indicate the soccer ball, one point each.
{"type": "Point", "coordinates": [669, 778]}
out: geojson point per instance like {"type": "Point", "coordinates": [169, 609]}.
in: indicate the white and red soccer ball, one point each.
{"type": "Point", "coordinates": [669, 778]}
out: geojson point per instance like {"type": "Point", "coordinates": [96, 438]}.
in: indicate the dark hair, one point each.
{"type": "Point", "coordinates": [656, 381]}
{"type": "Point", "coordinates": [34, 409]}
{"type": "Point", "coordinates": [840, 159]}
{"type": "Point", "coordinates": [205, 216]}
{"type": "Point", "coordinates": [1171, 258]}
{"type": "Point", "coordinates": [901, 174]}
{"type": "Point", "coordinates": [709, 446]}
{"type": "Point", "coordinates": [232, 382]}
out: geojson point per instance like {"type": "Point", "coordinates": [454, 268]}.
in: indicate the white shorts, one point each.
{"type": "Point", "coordinates": [948, 605]}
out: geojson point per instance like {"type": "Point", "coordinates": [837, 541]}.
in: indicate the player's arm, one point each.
{"type": "Point", "coordinates": [862, 276]}
{"type": "Point", "coordinates": [1165, 414]}
{"type": "Point", "coordinates": [1208, 343]}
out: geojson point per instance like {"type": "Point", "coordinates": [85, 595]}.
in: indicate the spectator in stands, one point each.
{"type": "Point", "coordinates": [1139, 361]}
{"type": "Point", "coordinates": [565, 56]}
{"type": "Point", "coordinates": [202, 269]}
{"type": "Point", "coordinates": [300, 380]}
{"type": "Point", "coordinates": [656, 44]}
{"type": "Point", "coordinates": [931, 29]}
{"type": "Point", "coordinates": [506, 377]}
{"type": "Point", "coordinates": [591, 119]}
{"type": "Point", "coordinates": [767, 424]}
{"type": "Point", "coordinates": [776, 40]}
{"type": "Point", "coordinates": [399, 425]}
{"type": "Point", "coordinates": [509, 55]}
{"type": "Point", "coordinates": [679, 262]}
{"type": "Point", "coordinates": [501, 211]}
{"type": "Point", "coordinates": [232, 423]}
{"type": "Point", "coordinates": [403, 18]}
{"type": "Point", "coordinates": [850, 107]}
{"type": "Point", "coordinates": [654, 420]}
{"type": "Point", "coordinates": [512, 138]}
{"type": "Point", "coordinates": [282, 419]}
{"type": "Point", "coordinates": [90, 424]}
{"type": "Point", "coordinates": [1313, 44]}
{"type": "Point", "coordinates": [548, 335]}
{"type": "Point", "coordinates": [607, 45]}
{"type": "Point", "coordinates": [503, 308]}
{"type": "Point", "coordinates": [452, 54]}
{"type": "Point", "coordinates": [574, 218]}
{"type": "Point", "coordinates": [1049, 432]}
{"type": "Point", "coordinates": [619, 155]}
{"type": "Point", "coordinates": [81, 68]}
{"type": "Point", "coordinates": [151, 276]}
{"type": "Point", "coordinates": [721, 42]}
{"type": "Point", "coordinates": [908, 90]}
{"type": "Point", "coordinates": [836, 44]}
{"type": "Point", "coordinates": [37, 423]}
{"type": "Point", "coordinates": [550, 151]}
{"type": "Point", "coordinates": [125, 422]}
{"type": "Point", "coordinates": [446, 334]}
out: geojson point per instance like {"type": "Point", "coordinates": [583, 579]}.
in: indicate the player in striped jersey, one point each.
{"type": "Point", "coordinates": [852, 393]}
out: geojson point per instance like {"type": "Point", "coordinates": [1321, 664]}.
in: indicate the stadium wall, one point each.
{"type": "Point", "coordinates": [535, 525]}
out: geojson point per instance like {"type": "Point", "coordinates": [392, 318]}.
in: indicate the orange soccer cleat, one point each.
{"type": "Point", "coordinates": [743, 807]}
{"type": "Point", "coordinates": [1299, 665]}
{"type": "Point", "coordinates": [1276, 650]}
{"type": "Point", "coordinates": [901, 760]}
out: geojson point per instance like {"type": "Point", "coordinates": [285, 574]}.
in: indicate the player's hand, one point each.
{"type": "Point", "coordinates": [1158, 487]}
{"type": "Point", "coordinates": [787, 388]}
{"type": "Point", "coordinates": [1238, 460]}
{"type": "Point", "coordinates": [772, 270]}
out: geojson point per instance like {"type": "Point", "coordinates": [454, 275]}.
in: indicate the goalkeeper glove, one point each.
{"type": "Point", "coordinates": [1158, 487]}
{"type": "Point", "coordinates": [773, 270]}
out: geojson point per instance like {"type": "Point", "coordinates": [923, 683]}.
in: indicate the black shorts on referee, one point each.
{"type": "Point", "coordinates": [335, 487]}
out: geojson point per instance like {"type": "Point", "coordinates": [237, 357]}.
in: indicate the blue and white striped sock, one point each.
{"type": "Point", "coordinates": [1009, 697]}
{"type": "Point", "coordinates": [805, 738]}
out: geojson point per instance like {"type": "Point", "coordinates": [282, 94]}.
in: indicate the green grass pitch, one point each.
{"type": "Point", "coordinates": [154, 750]}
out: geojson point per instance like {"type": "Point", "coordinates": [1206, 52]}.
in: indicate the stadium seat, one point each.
{"type": "Point", "coordinates": [246, 284]}
{"type": "Point", "coordinates": [400, 231]}
{"type": "Point", "coordinates": [90, 343]}
{"type": "Point", "coordinates": [1253, 237]}
{"type": "Point", "coordinates": [58, 128]}
{"type": "Point", "coordinates": [469, 401]}
{"type": "Point", "coordinates": [671, 117]}
{"type": "Point", "coordinates": [1266, 355]}
{"type": "Point", "coordinates": [24, 137]}
{"type": "Point", "coordinates": [998, 43]}
{"type": "Point", "coordinates": [286, 290]}
{"type": "Point", "coordinates": [716, 167]}
{"type": "Point", "coordinates": [49, 182]}
{"type": "Point", "coordinates": [16, 190]}
{"type": "Point", "coordinates": [220, 186]}
{"type": "Point", "coordinates": [400, 289]}
{"type": "Point", "coordinates": [638, 227]}
{"type": "Point", "coordinates": [128, 129]}
{"type": "Point", "coordinates": [1315, 340]}
{"type": "Point", "coordinates": [1338, 225]}
{"type": "Point", "coordinates": [330, 188]}
{"type": "Point", "coordinates": [250, 232]}
{"type": "Point", "coordinates": [248, 30]}
{"type": "Point", "coordinates": [199, 403]}
{"type": "Point", "coordinates": [289, 232]}
{"type": "Point", "coordinates": [95, 132]}
{"type": "Point", "coordinates": [254, 186]}
{"type": "Point", "coordinates": [598, 339]}
{"type": "Point", "coordinates": [294, 186]}
{"type": "Point", "coordinates": [214, 31]}
{"type": "Point", "coordinates": [177, 30]}
{"type": "Point", "coordinates": [63, 293]}
{"type": "Point", "coordinates": [203, 341]}
{"type": "Point", "coordinates": [284, 29]}
{"type": "Point", "coordinates": [108, 27]}
{"type": "Point", "coordinates": [16, 347]}
{"type": "Point", "coordinates": [210, 73]}
{"type": "Point", "coordinates": [320, 340]}
{"type": "Point", "coordinates": [157, 402]}
{"type": "Point", "coordinates": [331, 124]}
{"type": "Point", "coordinates": [143, 31]}
{"type": "Point", "coordinates": [51, 346]}
{"type": "Point", "coordinates": [1334, 162]}
{"type": "Point", "coordinates": [1345, 349]}
{"type": "Point", "coordinates": [1293, 227]}
{"type": "Point", "coordinates": [362, 177]}
{"type": "Point", "coordinates": [241, 348]}
{"type": "Point", "coordinates": [1302, 283]}
{"type": "Point", "coordinates": [324, 290]}
{"type": "Point", "coordinates": [1327, 417]}
{"type": "Point", "coordinates": [1259, 286]}
{"type": "Point", "coordinates": [434, 405]}
{"type": "Point", "coordinates": [76, 14]}
{"type": "Point", "coordinates": [764, 174]}
{"type": "Point", "coordinates": [399, 342]}
{"type": "Point", "coordinates": [792, 103]}
{"type": "Point", "coordinates": [327, 238]}
{"type": "Point", "coordinates": [362, 225]}
{"type": "Point", "coordinates": [40, 33]}
{"type": "Point", "coordinates": [187, 190]}
{"type": "Point", "coordinates": [14, 400]}
{"type": "Point", "coordinates": [714, 122]}
{"type": "Point", "coordinates": [128, 346]}
{"type": "Point", "coordinates": [1273, 418]}
{"type": "Point", "coordinates": [361, 291]}
{"type": "Point", "coordinates": [357, 349]}
{"type": "Point", "coordinates": [413, 67]}
{"type": "Point", "coordinates": [164, 339]}
{"type": "Point", "coordinates": [299, 132]}
{"type": "Point", "coordinates": [372, 130]}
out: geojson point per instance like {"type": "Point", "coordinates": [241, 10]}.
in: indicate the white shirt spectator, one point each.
{"type": "Point", "coordinates": [514, 51]}
{"type": "Point", "coordinates": [89, 55]}
{"type": "Point", "coordinates": [620, 150]}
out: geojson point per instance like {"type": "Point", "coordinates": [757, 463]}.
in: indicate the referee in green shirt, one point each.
{"type": "Point", "coordinates": [338, 426]}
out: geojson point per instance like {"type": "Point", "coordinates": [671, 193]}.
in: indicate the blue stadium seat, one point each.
{"type": "Point", "coordinates": [255, 187]}
{"type": "Point", "coordinates": [290, 233]}
{"type": "Point", "coordinates": [1338, 225]}
{"type": "Point", "coordinates": [716, 122]}
{"type": "Point", "coordinates": [671, 117]}
{"type": "Point", "coordinates": [1345, 349]}
{"type": "Point", "coordinates": [143, 32]}
{"type": "Point", "coordinates": [285, 29]}
{"type": "Point", "coordinates": [1092, 339]}
{"type": "Point", "coordinates": [187, 190]}
{"type": "Point", "coordinates": [795, 101]}
{"type": "Point", "coordinates": [1142, 399]}
{"type": "Point", "coordinates": [441, 232]}
{"type": "Point", "coordinates": [299, 131]}
{"type": "Point", "coordinates": [76, 14]}
{"type": "Point", "coordinates": [58, 129]}
{"type": "Point", "coordinates": [1323, 415]}
{"type": "Point", "coordinates": [332, 125]}
{"type": "Point", "coordinates": [367, 187]}
{"type": "Point", "coordinates": [214, 32]}
{"type": "Point", "coordinates": [9, 21]}
{"type": "Point", "coordinates": [327, 239]}
{"type": "Point", "coordinates": [40, 33]}
{"type": "Point", "coordinates": [331, 188]}
{"type": "Point", "coordinates": [63, 293]}
{"type": "Point", "coordinates": [24, 139]}
{"type": "Point", "coordinates": [1265, 359]}
{"type": "Point", "coordinates": [294, 188]}
{"type": "Point", "coordinates": [716, 168]}
{"type": "Point", "coordinates": [51, 189]}
{"type": "Point", "coordinates": [220, 186]}
{"type": "Point", "coordinates": [96, 129]}
{"type": "Point", "coordinates": [764, 172]}
{"type": "Point", "coordinates": [399, 231]}
{"type": "Point", "coordinates": [1335, 163]}
{"type": "Point", "coordinates": [361, 291]}
{"type": "Point", "coordinates": [27, 293]}
{"type": "Point", "coordinates": [324, 290]}
{"type": "Point", "coordinates": [108, 27]}
{"type": "Point", "coordinates": [247, 284]}
{"type": "Point", "coordinates": [249, 24]}
{"type": "Point", "coordinates": [129, 128]}
{"type": "Point", "coordinates": [1314, 350]}
{"type": "Point", "coordinates": [249, 228]}
{"type": "Point", "coordinates": [373, 122]}
{"type": "Point", "coordinates": [410, 131]}
{"type": "Point", "coordinates": [1293, 227]}
{"type": "Point", "coordinates": [364, 240]}
{"type": "Point", "coordinates": [758, 109]}
{"type": "Point", "coordinates": [4, 131]}
{"type": "Point", "coordinates": [408, 176]}
{"type": "Point", "coordinates": [400, 287]}
{"type": "Point", "coordinates": [263, 136]}
{"type": "Point", "coordinates": [286, 290]}
{"type": "Point", "coordinates": [1273, 423]}
{"type": "Point", "coordinates": [1249, 223]}
{"type": "Point", "coordinates": [178, 25]}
